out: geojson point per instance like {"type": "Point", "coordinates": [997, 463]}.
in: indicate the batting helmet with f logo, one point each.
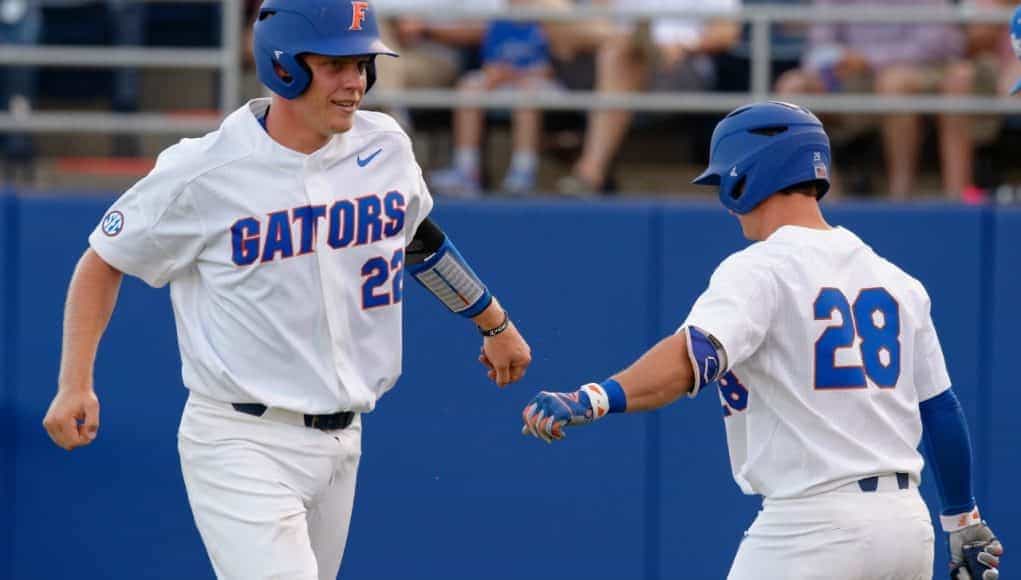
{"type": "Point", "coordinates": [287, 29]}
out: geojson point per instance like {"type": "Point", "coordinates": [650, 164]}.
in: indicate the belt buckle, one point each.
{"type": "Point", "coordinates": [312, 421]}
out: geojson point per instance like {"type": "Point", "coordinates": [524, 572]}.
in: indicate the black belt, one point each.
{"type": "Point", "coordinates": [330, 422]}
{"type": "Point", "coordinates": [869, 484]}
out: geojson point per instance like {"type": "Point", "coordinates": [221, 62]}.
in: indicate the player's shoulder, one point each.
{"type": "Point", "coordinates": [376, 124]}
{"type": "Point", "coordinates": [193, 154]}
{"type": "Point", "coordinates": [891, 272]}
{"type": "Point", "coordinates": [185, 162]}
{"type": "Point", "coordinates": [191, 157]}
{"type": "Point", "coordinates": [909, 286]}
{"type": "Point", "coordinates": [757, 262]}
{"type": "Point", "coordinates": [756, 256]}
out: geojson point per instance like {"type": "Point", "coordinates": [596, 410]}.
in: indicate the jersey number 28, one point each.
{"type": "Point", "coordinates": [875, 319]}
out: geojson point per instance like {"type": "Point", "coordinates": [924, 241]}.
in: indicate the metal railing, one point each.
{"type": "Point", "coordinates": [227, 59]}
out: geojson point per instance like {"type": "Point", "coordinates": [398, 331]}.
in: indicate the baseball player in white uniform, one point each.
{"type": "Point", "coordinates": [828, 368]}
{"type": "Point", "coordinates": [284, 236]}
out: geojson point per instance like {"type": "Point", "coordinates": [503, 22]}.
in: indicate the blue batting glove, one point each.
{"type": "Point", "coordinates": [548, 413]}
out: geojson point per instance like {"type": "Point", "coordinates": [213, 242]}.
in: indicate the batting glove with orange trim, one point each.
{"type": "Point", "coordinates": [975, 553]}
{"type": "Point", "coordinates": [547, 415]}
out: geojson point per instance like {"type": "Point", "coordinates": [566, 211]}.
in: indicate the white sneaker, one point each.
{"type": "Point", "coordinates": [518, 182]}
{"type": "Point", "coordinates": [453, 182]}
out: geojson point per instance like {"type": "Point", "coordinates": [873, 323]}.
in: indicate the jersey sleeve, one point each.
{"type": "Point", "coordinates": [931, 377]}
{"type": "Point", "coordinates": [419, 206]}
{"type": "Point", "coordinates": [737, 307]}
{"type": "Point", "coordinates": [153, 231]}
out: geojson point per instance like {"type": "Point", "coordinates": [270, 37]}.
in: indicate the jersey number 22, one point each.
{"type": "Point", "coordinates": [376, 273]}
{"type": "Point", "coordinates": [875, 319]}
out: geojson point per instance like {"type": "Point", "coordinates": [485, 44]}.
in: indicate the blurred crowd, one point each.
{"type": "Point", "coordinates": [661, 54]}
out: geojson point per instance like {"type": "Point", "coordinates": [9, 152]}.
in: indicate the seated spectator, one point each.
{"type": "Point", "coordinates": [568, 38]}
{"type": "Point", "coordinates": [786, 41]}
{"type": "Point", "coordinates": [432, 51]}
{"type": "Point", "coordinates": [895, 59]}
{"type": "Point", "coordinates": [665, 55]}
{"type": "Point", "coordinates": [991, 68]}
{"type": "Point", "coordinates": [515, 56]}
{"type": "Point", "coordinates": [20, 23]}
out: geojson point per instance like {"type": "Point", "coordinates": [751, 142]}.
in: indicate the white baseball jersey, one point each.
{"type": "Point", "coordinates": [285, 269]}
{"type": "Point", "coordinates": [830, 349]}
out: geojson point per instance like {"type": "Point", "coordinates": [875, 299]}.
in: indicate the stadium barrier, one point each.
{"type": "Point", "coordinates": [448, 487]}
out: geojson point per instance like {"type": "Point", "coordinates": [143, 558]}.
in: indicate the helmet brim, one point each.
{"type": "Point", "coordinates": [349, 46]}
{"type": "Point", "coordinates": [708, 177]}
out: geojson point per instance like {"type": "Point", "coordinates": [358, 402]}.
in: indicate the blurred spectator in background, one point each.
{"type": "Point", "coordinates": [20, 23]}
{"type": "Point", "coordinates": [897, 59]}
{"type": "Point", "coordinates": [668, 54]}
{"type": "Point", "coordinates": [786, 41]}
{"type": "Point", "coordinates": [515, 56]}
{"type": "Point", "coordinates": [568, 38]}
{"type": "Point", "coordinates": [127, 21]}
{"type": "Point", "coordinates": [991, 41]}
{"type": "Point", "coordinates": [433, 51]}
{"type": "Point", "coordinates": [95, 22]}
{"type": "Point", "coordinates": [991, 68]}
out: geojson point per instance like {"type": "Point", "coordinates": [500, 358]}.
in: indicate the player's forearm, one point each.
{"type": "Point", "coordinates": [439, 267]}
{"type": "Point", "coordinates": [659, 377]}
{"type": "Point", "coordinates": [491, 317]}
{"type": "Point", "coordinates": [91, 298]}
{"type": "Point", "coordinates": [948, 450]}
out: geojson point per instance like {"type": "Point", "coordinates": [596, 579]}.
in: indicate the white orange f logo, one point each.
{"type": "Point", "coordinates": [358, 14]}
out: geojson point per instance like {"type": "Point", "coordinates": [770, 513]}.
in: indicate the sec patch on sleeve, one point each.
{"type": "Point", "coordinates": [113, 223]}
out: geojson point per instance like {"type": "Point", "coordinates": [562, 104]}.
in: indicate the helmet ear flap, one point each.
{"type": "Point", "coordinates": [298, 73]}
{"type": "Point", "coordinates": [370, 73]}
{"type": "Point", "coordinates": [737, 189]}
{"type": "Point", "coordinates": [732, 183]}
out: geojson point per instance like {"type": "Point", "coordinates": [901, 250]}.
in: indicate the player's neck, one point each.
{"type": "Point", "coordinates": [285, 126]}
{"type": "Point", "coordinates": [789, 210]}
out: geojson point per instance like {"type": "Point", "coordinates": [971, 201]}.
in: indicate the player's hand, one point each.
{"type": "Point", "coordinates": [73, 418]}
{"type": "Point", "coordinates": [506, 356]}
{"type": "Point", "coordinates": [548, 413]}
{"type": "Point", "coordinates": [974, 553]}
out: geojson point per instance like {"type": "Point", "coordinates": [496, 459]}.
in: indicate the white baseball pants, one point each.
{"type": "Point", "coordinates": [845, 534]}
{"type": "Point", "coordinates": [271, 500]}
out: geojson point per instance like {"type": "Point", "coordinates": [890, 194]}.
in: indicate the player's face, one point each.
{"type": "Point", "coordinates": [338, 85]}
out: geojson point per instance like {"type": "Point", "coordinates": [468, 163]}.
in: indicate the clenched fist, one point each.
{"type": "Point", "coordinates": [73, 418]}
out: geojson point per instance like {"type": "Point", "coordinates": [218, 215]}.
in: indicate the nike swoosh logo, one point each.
{"type": "Point", "coordinates": [368, 160]}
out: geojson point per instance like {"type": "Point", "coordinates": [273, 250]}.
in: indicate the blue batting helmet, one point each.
{"type": "Point", "coordinates": [286, 29]}
{"type": "Point", "coordinates": [760, 149]}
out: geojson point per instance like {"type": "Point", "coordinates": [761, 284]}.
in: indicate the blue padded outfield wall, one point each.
{"type": "Point", "coordinates": [448, 487]}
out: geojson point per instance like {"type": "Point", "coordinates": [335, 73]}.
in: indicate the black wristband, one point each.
{"type": "Point", "coordinates": [499, 327]}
